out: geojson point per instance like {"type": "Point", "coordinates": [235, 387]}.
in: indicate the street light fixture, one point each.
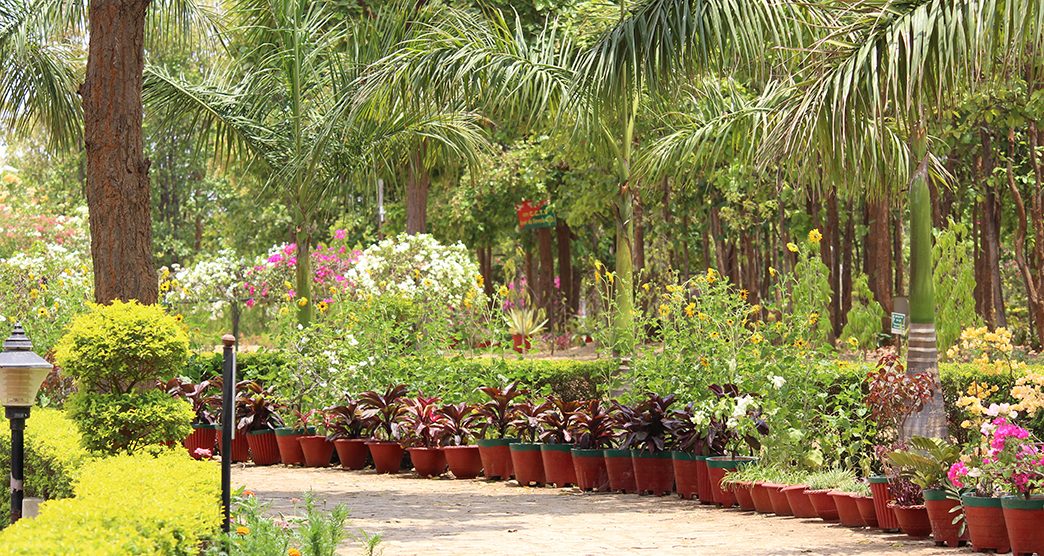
{"type": "Point", "coordinates": [21, 374]}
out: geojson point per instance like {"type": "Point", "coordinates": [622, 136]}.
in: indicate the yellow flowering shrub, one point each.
{"type": "Point", "coordinates": [1029, 391]}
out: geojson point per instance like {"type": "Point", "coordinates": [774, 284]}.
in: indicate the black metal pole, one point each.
{"type": "Point", "coordinates": [227, 425]}
{"type": "Point", "coordinates": [17, 416]}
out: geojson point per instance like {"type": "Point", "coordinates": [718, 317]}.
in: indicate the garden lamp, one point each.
{"type": "Point", "coordinates": [21, 373]}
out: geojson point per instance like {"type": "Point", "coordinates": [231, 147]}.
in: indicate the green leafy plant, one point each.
{"type": "Point", "coordinates": [122, 347]}
{"type": "Point", "coordinates": [499, 411]}
{"type": "Point", "coordinates": [926, 462]}
{"type": "Point", "coordinates": [317, 532]}
{"type": "Point", "coordinates": [127, 422]}
{"type": "Point", "coordinates": [525, 321]}
{"type": "Point", "coordinates": [385, 409]}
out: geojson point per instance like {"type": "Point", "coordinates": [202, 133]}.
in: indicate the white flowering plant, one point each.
{"type": "Point", "coordinates": [209, 284]}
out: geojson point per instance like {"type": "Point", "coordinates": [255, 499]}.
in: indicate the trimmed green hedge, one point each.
{"type": "Point", "coordinates": [54, 455]}
{"type": "Point", "coordinates": [166, 505]}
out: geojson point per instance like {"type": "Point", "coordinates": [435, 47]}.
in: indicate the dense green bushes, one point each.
{"type": "Point", "coordinates": [116, 423]}
{"type": "Point", "coordinates": [53, 457]}
{"type": "Point", "coordinates": [139, 504]}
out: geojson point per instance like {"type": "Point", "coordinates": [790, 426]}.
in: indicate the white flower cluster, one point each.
{"type": "Point", "coordinates": [417, 267]}
{"type": "Point", "coordinates": [211, 282]}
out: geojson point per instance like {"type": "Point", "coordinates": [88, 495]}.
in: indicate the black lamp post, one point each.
{"type": "Point", "coordinates": [21, 374]}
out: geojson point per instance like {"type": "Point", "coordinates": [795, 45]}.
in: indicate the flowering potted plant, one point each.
{"type": "Point", "coordinates": [460, 423]}
{"type": "Point", "coordinates": [688, 428]}
{"type": "Point", "coordinates": [557, 437]}
{"type": "Point", "coordinates": [592, 430]}
{"type": "Point", "coordinates": [892, 396]}
{"type": "Point", "coordinates": [385, 409]}
{"type": "Point", "coordinates": [525, 454]}
{"type": "Point", "coordinates": [204, 423]}
{"type": "Point", "coordinates": [645, 432]}
{"type": "Point", "coordinates": [738, 422]}
{"type": "Point", "coordinates": [926, 464]}
{"type": "Point", "coordinates": [499, 413]}
{"type": "Point", "coordinates": [425, 433]}
{"type": "Point", "coordinates": [258, 412]}
{"type": "Point", "coordinates": [316, 447]}
{"type": "Point", "coordinates": [348, 431]}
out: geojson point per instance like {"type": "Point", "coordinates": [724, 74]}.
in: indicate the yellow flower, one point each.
{"type": "Point", "coordinates": [610, 276]}
{"type": "Point", "coordinates": [744, 294]}
{"type": "Point", "coordinates": [772, 272]}
{"type": "Point", "coordinates": [813, 318]}
{"type": "Point", "coordinates": [852, 341]}
{"type": "Point", "coordinates": [704, 362]}
{"type": "Point", "coordinates": [711, 275]}
{"type": "Point", "coordinates": [690, 309]}
{"type": "Point", "coordinates": [966, 424]}
{"type": "Point", "coordinates": [729, 322]}
{"type": "Point", "coordinates": [42, 311]}
{"type": "Point", "coordinates": [322, 306]}
{"type": "Point", "coordinates": [333, 290]}
{"type": "Point", "coordinates": [755, 308]}
{"type": "Point", "coordinates": [165, 286]}
{"type": "Point", "coordinates": [664, 310]}
{"type": "Point", "coordinates": [179, 317]}
{"type": "Point", "coordinates": [645, 286]}
{"type": "Point", "coordinates": [288, 285]}
{"type": "Point", "coordinates": [503, 291]}
{"type": "Point", "coordinates": [479, 280]}
{"type": "Point", "coordinates": [814, 236]}
{"type": "Point", "coordinates": [757, 338]}
{"type": "Point", "coordinates": [243, 530]}
{"type": "Point", "coordinates": [714, 335]}
{"type": "Point", "coordinates": [283, 311]}
{"type": "Point", "coordinates": [302, 301]}
{"type": "Point", "coordinates": [598, 276]}
{"type": "Point", "coordinates": [293, 552]}
{"type": "Point", "coordinates": [703, 316]}
{"type": "Point", "coordinates": [34, 293]}
{"type": "Point", "coordinates": [792, 247]}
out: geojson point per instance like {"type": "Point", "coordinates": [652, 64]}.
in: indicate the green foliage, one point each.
{"type": "Point", "coordinates": [317, 533]}
{"type": "Point", "coordinates": [865, 318]}
{"type": "Point", "coordinates": [810, 294]}
{"type": "Point", "coordinates": [954, 278]}
{"type": "Point", "coordinates": [126, 423]}
{"type": "Point", "coordinates": [926, 462]}
{"type": "Point", "coordinates": [53, 457]}
{"type": "Point", "coordinates": [130, 504]}
{"type": "Point", "coordinates": [117, 347]}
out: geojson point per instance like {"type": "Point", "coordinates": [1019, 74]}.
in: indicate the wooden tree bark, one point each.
{"type": "Point", "coordinates": [878, 251]}
{"type": "Point", "coordinates": [545, 272]}
{"type": "Point", "coordinates": [418, 181]}
{"type": "Point", "coordinates": [563, 237]}
{"type": "Point", "coordinates": [830, 248]}
{"type": "Point", "coordinates": [987, 221]}
{"type": "Point", "coordinates": [117, 170]}
{"type": "Point", "coordinates": [1030, 263]}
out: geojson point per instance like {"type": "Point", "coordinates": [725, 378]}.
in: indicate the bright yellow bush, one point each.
{"type": "Point", "coordinates": [165, 505]}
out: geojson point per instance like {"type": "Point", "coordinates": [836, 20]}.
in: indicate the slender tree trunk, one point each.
{"type": "Point", "coordinates": [923, 356]}
{"type": "Point", "coordinates": [831, 249]}
{"type": "Point", "coordinates": [120, 212]}
{"type": "Point", "coordinates": [545, 272]}
{"type": "Point", "coordinates": [303, 277]}
{"type": "Point", "coordinates": [846, 265]}
{"type": "Point", "coordinates": [565, 266]}
{"type": "Point", "coordinates": [639, 235]}
{"type": "Point", "coordinates": [1028, 263]}
{"type": "Point", "coordinates": [418, 181]}
{"type": "Point", "coordinates": [485, 258]}
{"type": "Point", "coordinates": [878, 251]}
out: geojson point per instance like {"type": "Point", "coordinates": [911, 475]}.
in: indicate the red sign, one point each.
{"type": "Point", "coordinates": [534, 214]}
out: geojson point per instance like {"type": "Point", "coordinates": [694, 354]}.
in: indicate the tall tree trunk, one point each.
{"type": "Point", "coordinates": [565, 266]}
{"type": "Point", "coordinates": [485, 259]}
{"type": "Point", "coordinates": [846, 264]}
{"type": "Point", "coordinates": [623, 337]}
{"type": "Point", "coordinates": [120, 211]}
{"type": "Point", "coordinates": [878, 251]}
{"type": "Point", "coordinates": [545, 272]}
{"type": "Point", "coordinates": [639, 235]}
{"type": "Point", "coordinates": [1029, 265]}
{"type": "Point", "coordinates": [303, 276]}
{"type": "Point", "coordinates": [831, 251]}
{"type": "Point", "coordinates": [418, 181]}
{"type": "Point", "coordinates": [922, 355]}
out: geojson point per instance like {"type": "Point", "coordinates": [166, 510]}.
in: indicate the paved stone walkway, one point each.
{"type": "Point", "coordinates": [444, 516]}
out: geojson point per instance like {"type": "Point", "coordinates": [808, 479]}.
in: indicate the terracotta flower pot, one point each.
{"type": "Point", "coordinates": [686, 478]}
{"type": "Point", "coordinates": [528, 465]}
{"type": "Point", "coordinates": [653, 473]}
{"type": "Point", "coordinates": [589, 466]}
{"type": "Point", "coordinates": [824, 504]}
{"type": "Point", "coordinates": [866, 509]}
{"type": "Point", "coordinates": [847, 510]}
{"type": "Point", "coordinates": [317, 450]}
{"type": "Point", "coordinates": [799, 503]}
{"type": "Point", "coordinates": [496, 458]}
{"type": "Point", "coordinates": [520, 343]}
{"type": "Point", "coordinates": [264, 450]}
{"type": "Point", "coordinates": [941, 516]}
{"type": "Point", "coordinates": [464, 462]}
{"type": "Point", "coordinates": [1024, 520]}
{"type": "Point", "coordinates": [387, 456]}
{"type": "Point", "coordinates": [289, 448]}
{"type": "Point", "coordinates": [780, 504]}
{"type": "Point", "coordinates": [558, 464]}
{"type": "Point", "coordinates": [744, 498]}
{"type": "Point", "coordinates": [987, 529]}
{"type": "Point", "coordinates": [760, 496]}
{"type": "Point", "coordinates": [240, 448]}
{"type": "Point", "coordinates": [706, 493]}
{"type": "Point", "coordinates": [882, 494]}
{"type": "Point", "coordinates": [913, 520]}
{"type": "Point", "coordinates": [718, 467]}
{"type": "Point", "coordinates": [620, 468]}
{"type": "Point", "coordinates": [352, 452]}
{"type": "Point", "coordinates": [428, 462]}
{"type": "Point", "coordinates": [203, 437]}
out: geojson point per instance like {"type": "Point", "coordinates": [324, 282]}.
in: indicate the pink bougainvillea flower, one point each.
{"type": "Point", "coordinates": [340, 234]}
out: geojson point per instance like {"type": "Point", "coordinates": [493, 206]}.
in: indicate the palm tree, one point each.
{"type": "Point", "coordinates": [888, 62]}
{"type": "Point", "coordinates": [289, 104]}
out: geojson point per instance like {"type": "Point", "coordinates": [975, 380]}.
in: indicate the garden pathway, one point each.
{"type": "Point", "coordinates": [442, 516]}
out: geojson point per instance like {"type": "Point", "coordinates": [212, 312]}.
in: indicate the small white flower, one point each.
{"type": "Point", "coordinates": [777, 381]}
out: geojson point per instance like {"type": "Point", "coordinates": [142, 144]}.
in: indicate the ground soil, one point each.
{"type": "Point", "coordinates": [445, 516]}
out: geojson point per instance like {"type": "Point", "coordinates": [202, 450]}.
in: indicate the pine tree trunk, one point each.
{"type": "Point", "coordinates": [922, 355]}
{"type": "Point", "coordinates": [418, 181]}
{"type": "Point", "coordinates": [117, 170]}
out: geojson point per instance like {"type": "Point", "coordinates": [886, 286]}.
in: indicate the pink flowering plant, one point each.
{"type": "Point", "coordinates": [270, 281]}
{"type": "Point", "coordinates": [1009, 461]}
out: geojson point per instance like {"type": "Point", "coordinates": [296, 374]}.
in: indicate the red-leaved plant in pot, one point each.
{"type": "Point", "coordinates": [316, 448]}
{"type": "Point", "coordinates": [349, 431]}
{"type": "Point", "coordinates": [618, 462]}
{"type": "Point", "coordinates": [385, 409]}
{"type": "Point", "coordinates": [592, 428]}
{"type": "Point", "coordinates": [908, 505]}
{"type": "Point", "coordinates": [892, 396]}
{"type": "Point", "coordinates": [240, 451]}
{"type": "Point", "coordinates": [498, 413]}
{"type": "Point", "coordinates": [287, 437]}
{"type": "Point", "coordinates": [526, 458]}
{"type": "Point", "coordinates": [689, 434]}
{"type": "Point", "coordinates": [460, 423]}
{"type": "Point", "coordinates": [645, 432]}
{"type": "Point", "coordinates": [203, 438]}
{"type": "Point", "coordinates": [737, 423]}
{"type": "Point", "coordinates": [258, 412]}
{"type": "Point", "coordinates": [556, 437]}
{"type": "Point", "coordinates": [424, 434]}
{"type": "Point", "coordinates": [926, 463]}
